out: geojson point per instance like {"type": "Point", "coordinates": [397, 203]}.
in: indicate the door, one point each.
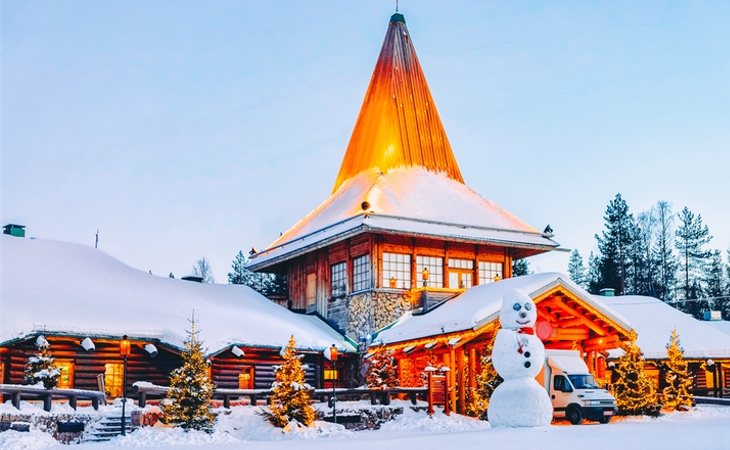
{"type": "Point", "coordinates": [560, 394]}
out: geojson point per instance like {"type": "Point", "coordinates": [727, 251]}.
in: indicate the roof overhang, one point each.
{"type": "Point", "coordinates": [524, 243]}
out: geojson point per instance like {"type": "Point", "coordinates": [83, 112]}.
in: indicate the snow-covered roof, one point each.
{"type": "Point", "coordinates": [654, 320]}
{"type": "Point", "coordinates": [720, 325]}
{"type": "Point", "coordinates": [68, 288]}
{"type": "Point", "coordinates": [480, 305]}
{"type": "Point", "coordinates": [406, 200]}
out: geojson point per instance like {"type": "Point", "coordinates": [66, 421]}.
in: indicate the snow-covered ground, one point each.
{"type": "Point", "coordinates": [706, 427]}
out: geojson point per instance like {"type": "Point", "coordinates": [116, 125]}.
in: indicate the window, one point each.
{"type": "Point", "coordinates": [397, 270]}
{"type": "Point", "coordinates": [460, 273]}
{"type": "Point", "coordinates": [245, 378]}
{"type": "Point", "coordinates": [489, 272]}
{"type": "Point", "coordinates": [339, 274]}
{"type": "Point", "coordinates": [559, 383]}
{"type": "Point", "coordinates": [66, 379]}
{"type": "Point", "coordinates": [361, 273]}
{"type": "Point", "coordinates": [435, 267]}
{"type": "Point", "coordinates": [113, 379]}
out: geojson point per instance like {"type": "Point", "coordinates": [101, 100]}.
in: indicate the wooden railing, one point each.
{"type": "Point", "coordinates": [18, 392]}
{"type": "Point", "coordinates": [379, 395]}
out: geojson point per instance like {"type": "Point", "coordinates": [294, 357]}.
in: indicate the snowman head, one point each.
{"type": "Point", "coordinates": [518, 310]}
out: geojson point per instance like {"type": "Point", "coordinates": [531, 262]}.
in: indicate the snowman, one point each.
{"type": "Point", "coordinates": [518, 356]}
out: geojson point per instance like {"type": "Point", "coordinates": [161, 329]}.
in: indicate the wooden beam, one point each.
{"type": "Point", "coordinates": [569, 334]}
{"type": "Point", "coordinates": [577, 314]}
{"type": "Point", "coordinates": [462, 380]}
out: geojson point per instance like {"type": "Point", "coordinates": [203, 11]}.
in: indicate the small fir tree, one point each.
{"type": "Point", "coordinates": [520, 267]}
{"type": "Point", "coordinates": [577, 270]}
{"type": "Point", "coordinates": [635, 393]}
{"type": "Point", "coordinates": [290, 397]}
{"type": "Point", "coordinates": [381, 369]}
{"type": "Point", "coordinates": [691, 237]}
{"type": "Point", "coordinates": [487, 380]}
{"type": "Point", "coordinates": [677, 395]}
{"type": "Point", "coordinates": [190, 389]}
{"type": "Point", "coordinates": [614, 244]}
{"type": "Point", "coordinates": [41, 367]}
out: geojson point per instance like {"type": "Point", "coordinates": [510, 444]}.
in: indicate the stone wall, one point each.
{"type": "Point", "coordinates": [49, 423]}
{"type": "Point", "coordinates": [363, 313]}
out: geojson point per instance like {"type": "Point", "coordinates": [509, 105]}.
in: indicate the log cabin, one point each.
{"type": "Point", "coordinates": [83, 301]}
{"type": "Point", "coordinates": [401, 230]}
{"type": "Point", "coordinates": [456, 334]}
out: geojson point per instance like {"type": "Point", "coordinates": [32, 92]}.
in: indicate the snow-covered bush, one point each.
{"type": "Point", "coordinates": [41, 367]}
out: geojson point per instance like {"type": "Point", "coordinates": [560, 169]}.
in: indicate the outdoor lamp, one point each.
{"type": "Point", "coordinates": [125, 346]}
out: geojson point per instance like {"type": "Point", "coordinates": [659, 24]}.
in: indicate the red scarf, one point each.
{"type": "Point", "coordinates": [526, 330]}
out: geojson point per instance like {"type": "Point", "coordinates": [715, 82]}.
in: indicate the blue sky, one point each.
{"type": "Point", "coordinates": [189, 129]}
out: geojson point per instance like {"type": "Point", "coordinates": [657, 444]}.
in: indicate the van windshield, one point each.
{"type": "Point", "coordinates": [583, 381]}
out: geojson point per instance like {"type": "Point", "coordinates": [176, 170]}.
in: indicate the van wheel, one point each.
{"type": "Point", "coordinates": [604, 419]}
{"type": "Point", "coordinates": [574, 415]}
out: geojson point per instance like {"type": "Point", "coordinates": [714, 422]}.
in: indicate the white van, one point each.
{"type": "Point", "coordinates": [573, 390]}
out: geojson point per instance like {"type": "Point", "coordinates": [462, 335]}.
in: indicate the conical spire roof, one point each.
{"type": "Point", "coordinates": [398, 123]}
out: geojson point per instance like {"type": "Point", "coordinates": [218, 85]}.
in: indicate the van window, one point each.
{"type": "Point", "coordinates": [583, 381]}
{"type": "Point", "coordinates": [559, 383]}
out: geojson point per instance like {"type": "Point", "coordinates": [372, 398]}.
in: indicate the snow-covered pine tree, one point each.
{"type": "Point", "coordinates": [577, 270]}
{"type": "Point", "coordinates": [487, 380]}
{"type": "Point", "coordinates": [663, 254]}
{"type": "Point", "coordinates": [677, 395]}
{"type": "Point", "coordinates": [714, 280]}
{"type": "Point", "coordinates": [614, 245]}
{"type": "Point", "coordinates": [290, 397]}
{"type": "Point", "coordinates": [635, 393]}
{"type": "Point", "coordinates": [593, 277]}
{"type": "Point", "coordinates": [520, 267]}
{"type": "Point", "coordinates": [381, 369]}
{"type": "Point", "coordinates": [264, 283]}
{"type": "Point", "coordinates": [41, 367]}
{"type": "Point", "coordinates": [691, 237]}
{"type": "Point", "coordinates": [188, 404]}
{"type": "Point", "coordinates": [202, 269]}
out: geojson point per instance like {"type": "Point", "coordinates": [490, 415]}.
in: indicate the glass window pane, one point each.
{"type": "Point", "coordinates": [490, 272]}
{"type": "Point", "coordinates": [339, 275]}
{"type": "Point", "coordinates": [396, 270]}
{"type": "Point", "coordinates": [435, 267]}
{"type": "Point", "coordinates": [361, 273]}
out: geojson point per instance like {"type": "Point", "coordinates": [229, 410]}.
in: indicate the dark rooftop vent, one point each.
{"type": "Point", "coordinates": [14, 230]}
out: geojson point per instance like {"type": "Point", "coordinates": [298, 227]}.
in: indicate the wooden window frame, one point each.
{"type": "Point", "coordinates": [463, 268]}
{"type": "Point", "coordinates": [435, 266]}
{"type": "Point", "coordinates": [71, 367]}
{"type": "Point", "coordinates": [397, 266]}
{"type": "Point", "coordinates": [338, 279]}
{"type": "Point", "coordinates": [362, 278]}
{"type": "Point", "coordinates": [486, 267]}
{"type": "Point", "coordinates": [252, 376]}
{"type": "Point", "coordinates": [113, 376]}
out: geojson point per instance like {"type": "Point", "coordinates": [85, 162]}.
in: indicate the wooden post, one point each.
{"type": "Point", "coordinates": [95, 402]}
{"type": "Point", "coordinates": [72, 402]}
{"type": "Point", "coordinates": [462, 380]}
{"type": "Point", "coordinates": [385, 398]}
{"type": "Point", "coordinates": [16, 399]}
{"type": "Point", "coordinates": [142, 399]}
{"type": "Point", "coordinates": [429, 394]}
{"type": "Point", "coordinates": [472, 368]}
{"type": "Point", "coordinates": [447, 406]}
{"type": "Point", "coordinates": [47, 400]}
{"type": "Point", "coordinates": [373, 398]}
{"type": "Point", "coordinates": [451, 377]}
{"type": "Point", "coordinates": [226, 401]}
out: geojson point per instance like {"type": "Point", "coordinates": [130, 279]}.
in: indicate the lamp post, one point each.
{"type": "Point", "coordinates": [124, 349]}
{"type": "Point", "coordinates": [333, 376]}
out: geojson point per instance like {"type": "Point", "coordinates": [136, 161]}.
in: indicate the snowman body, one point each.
{"type": "Point", "coordinates": [518, 357]}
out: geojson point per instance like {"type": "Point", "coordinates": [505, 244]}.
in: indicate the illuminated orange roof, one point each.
{"type": "Point", "coordinates": [398, 123]}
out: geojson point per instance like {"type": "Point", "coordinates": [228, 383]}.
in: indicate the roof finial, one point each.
{"type": "Point", "coordinates": [396, 5]}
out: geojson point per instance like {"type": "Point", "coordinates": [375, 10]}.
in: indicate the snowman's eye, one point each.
{"type": "Point", "coordinates": [528, 306]}
{"type": "Point", "coordinates": [516, 306]}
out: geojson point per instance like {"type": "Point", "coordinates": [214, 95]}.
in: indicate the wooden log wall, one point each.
{"type": "Point", "coordinates": [319, 262]}
{"type": "Point", "coordinates": [226, 368]}
{"type": "Point", "coordinates": [87, 365]}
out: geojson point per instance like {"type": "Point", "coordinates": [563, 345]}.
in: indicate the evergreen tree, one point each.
{"type": "Point", "coordinates": [188, 404]}
{"type": "Point", "coordinates": [265, 283]}
{"type": "Point", "coordinates": [715, 282]}
{"type": "Point", "coordinates": [520, 267]}
{"type": "Point", "coordinates": [677, 395]}
{"type": "Point", "coordinates": [642, 271]}
{"type": "Point", "coordinates": [290, 396]}
{"type": "Point", "coordinates": [692, 235]}
{"type": "Point", "coordinates": [634, 392]}
{"type": "Point", "coordinates": [577, 270]}
{"type": "Point", "coordinates": [487, 380]}
{"type": "Point", "coordinates": [666, 261]}
{"type": "Point", "coordinates": [41, 367]}
{"type": "Point", "coordinates": [202, 269]}
{"type": "Point", "coordinates": [381, 369]}
{"type": "Point", "coordinates": [614, 244]}
{"type": "Point", "coordinates": [594, 273]}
